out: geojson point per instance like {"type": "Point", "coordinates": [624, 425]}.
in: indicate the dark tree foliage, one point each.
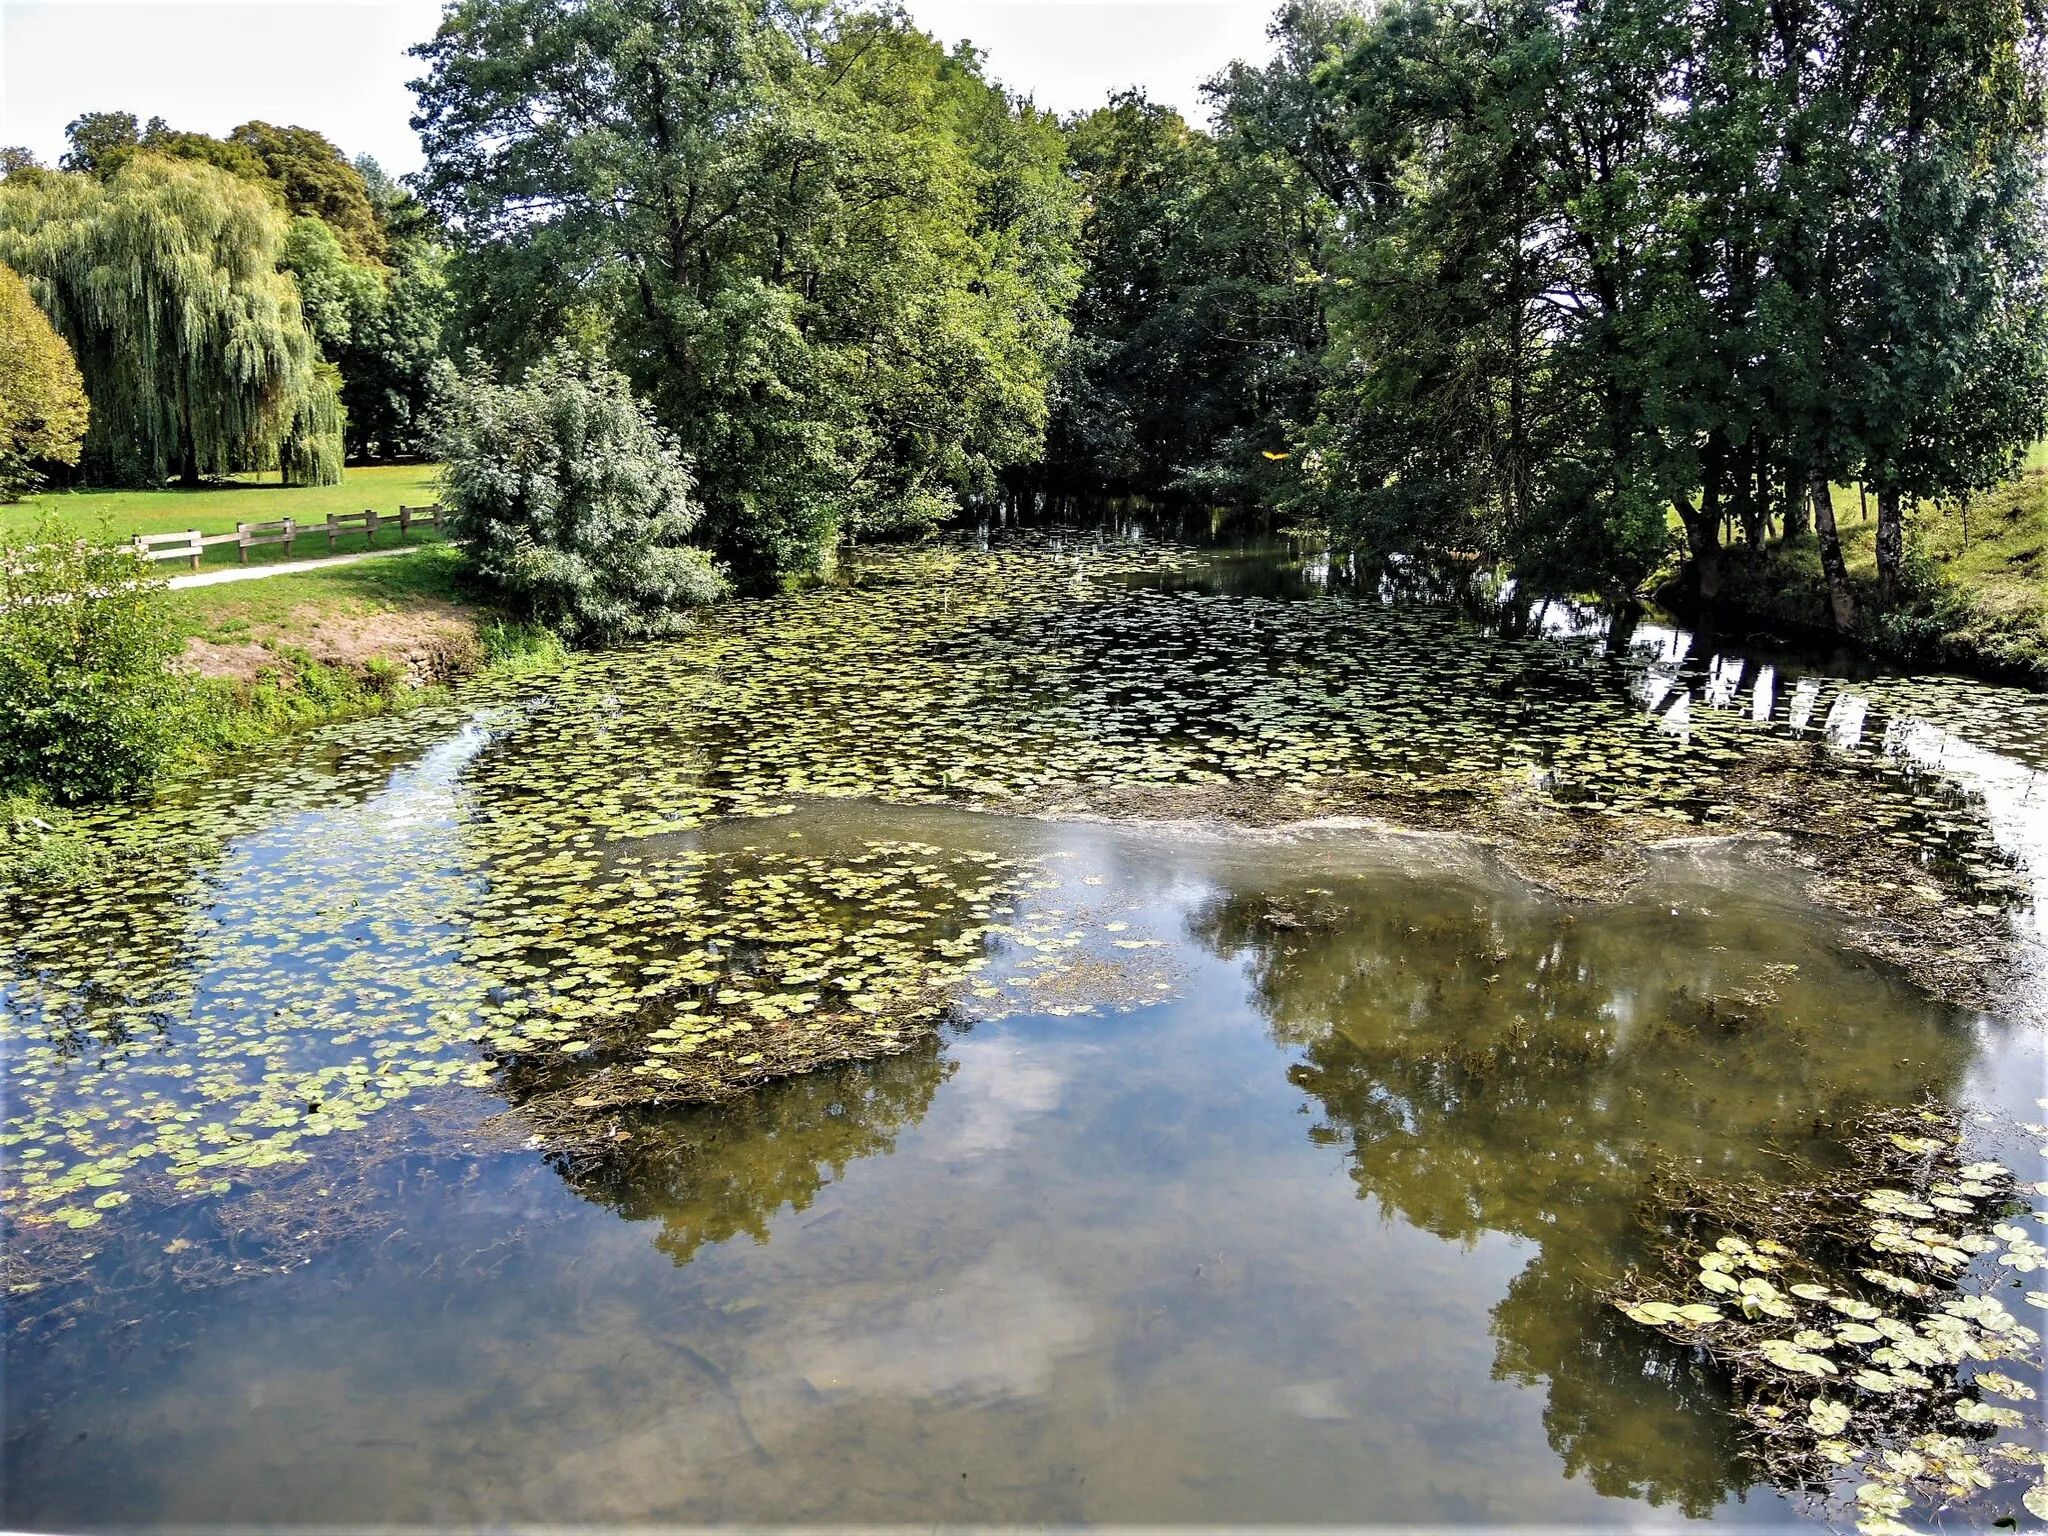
{"type": "Point", "coordinates": [1198, 329]}
{"type": "Point", "coordinates": [316, 180]}
{"type": "Point", "coordinates": [382, 327]}
{"type": "Point", "coordinates": [1586, 273]}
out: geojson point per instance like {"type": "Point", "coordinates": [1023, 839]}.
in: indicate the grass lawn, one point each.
{"type": "Point", "coordinates": [282, 609]}
{"type": "Point", "coordinates": [217, 509]}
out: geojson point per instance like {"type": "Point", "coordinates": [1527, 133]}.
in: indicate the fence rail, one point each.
{"type": "Point", "coordinates": [191, 543]}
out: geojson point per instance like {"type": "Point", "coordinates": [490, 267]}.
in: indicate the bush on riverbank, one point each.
{"type": "Point", "coordinates": [571, 504]}
{"type": "Point", "coordinates": [88, 705]}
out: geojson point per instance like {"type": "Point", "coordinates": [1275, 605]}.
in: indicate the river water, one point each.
{"type": "Point", "coordinates": [1255, 1176]}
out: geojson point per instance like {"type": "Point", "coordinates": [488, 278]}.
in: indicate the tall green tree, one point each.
{"type": "Point", "coordinates": [192, 344]}
{"type": "Point", "coordinates": [316, 180]}
{"type": "Point", "coordinates": [43, 409]}
{"type": "Point", "coordinates": [1198, 330]}
{"type": "Point", "coordinates": [833, 257]}
{"type": "Point", "coordinates": [381, 327]}
{"type": "Point", "coordinates": [1603, 261]}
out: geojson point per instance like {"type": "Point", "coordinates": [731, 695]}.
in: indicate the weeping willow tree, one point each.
{"type": "Point", "coordinates": [164, 279]}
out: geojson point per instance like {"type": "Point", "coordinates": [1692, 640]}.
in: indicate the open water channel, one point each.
{"type": "Point", "coordinates": [1252, 1173]}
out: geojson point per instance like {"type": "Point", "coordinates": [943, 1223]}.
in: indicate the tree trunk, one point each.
{"type": "Point", "coordinates": [1831, 561]}
{"type": "Point", "coordinates": [1891, 545]}
{"type": "Point", "coordinates": [1703, 543]}
{"type": "Point", "coordinates": [1796, 505]}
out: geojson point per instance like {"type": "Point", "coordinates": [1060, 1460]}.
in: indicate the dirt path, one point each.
{"type": "Point", "coordinates": [284, 568]}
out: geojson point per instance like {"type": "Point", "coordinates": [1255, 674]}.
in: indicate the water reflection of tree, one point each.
{"type": "Point", "coordinates": [1501, 1064]}
{"type": "Point", "coordinates": [710, 1173]}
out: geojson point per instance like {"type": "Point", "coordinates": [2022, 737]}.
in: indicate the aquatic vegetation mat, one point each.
{"type": "Point", "coordinates": [528, 898]}
{"type": "Point", "coordinates": [1856, 1311]}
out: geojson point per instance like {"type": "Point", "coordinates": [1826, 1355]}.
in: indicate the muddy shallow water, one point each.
{"type": "Point", "coordinates": [1251, 1176]}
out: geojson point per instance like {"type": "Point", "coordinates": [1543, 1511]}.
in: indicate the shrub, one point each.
{"type": "Point", "coordinates": [42, 402]}
{"type": "Point", "coordinates": [89, 709]}
{"type": "Point", "coordinates": [568, 500]}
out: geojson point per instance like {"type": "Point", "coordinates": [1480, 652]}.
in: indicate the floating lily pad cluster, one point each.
{"type": "Point", "coordinates": [501, 892]}
{"type": "Point", "coordinates": [1859, 1319]}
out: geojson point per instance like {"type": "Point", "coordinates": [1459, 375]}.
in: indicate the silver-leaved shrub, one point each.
{"type": "Point", "coordinates": [568, 500]}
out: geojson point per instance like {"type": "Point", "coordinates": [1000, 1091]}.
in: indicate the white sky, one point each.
{"type": "Point", "coordinates": [340, 65]}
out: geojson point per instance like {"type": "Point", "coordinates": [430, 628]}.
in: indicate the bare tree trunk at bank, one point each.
{"type": "Point", "coordinates": [1832, 564]}
{"type": "Point", "coordinates": [1891, 545]}
{"type": "Point", "coordinates": [1703, 542]}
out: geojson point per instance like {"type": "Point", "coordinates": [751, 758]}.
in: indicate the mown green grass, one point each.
{"type": "Point", "coordinates": [216, 509]}
{"type": "Point", "coordinates": [276, 608]}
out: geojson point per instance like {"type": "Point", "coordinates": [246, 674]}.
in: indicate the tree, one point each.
{"type": "Point", "coordinates": [831, 256]}
{"type": "Point", "coordinates": [381, 327]}
{"type": "Point", "coordinates": [316, 180]}
{"type": "Point", "coordinates": [565, 496]}
{"type": "Point", "coordinates": [43, 411]}
{"type": "Point", "coordinates": [192, 344]}
{"type": "Point", "coordinates": [1198, 330]}
{"type": "Point", "coordinates": [1600, 262]}
{"type": "Point", "coordinates": [103, 142]}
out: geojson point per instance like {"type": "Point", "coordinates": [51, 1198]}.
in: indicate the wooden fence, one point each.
{"type": "Point", "coordinates": [191, 544]}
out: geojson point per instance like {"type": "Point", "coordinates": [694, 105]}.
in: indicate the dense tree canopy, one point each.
{"type": "Point", "coordinates": [1198, 327]}
{"type": "Point", "coordinates": [194, 351]}
{"type": "Point", "coordinates": [381, 326]}
{"type": "Point", "coordinates": [832, 256]}
{"type": "Point", "coordinates": [1585, 269]}
{"type": "Point", "coordinates": [43, 409]}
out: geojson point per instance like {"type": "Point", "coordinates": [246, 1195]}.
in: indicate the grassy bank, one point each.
{"type": "Point", "coordinates": [217, 508]}
{"type": "Point", "coordinates": [290, 652]}
{"type": "Point", "coordinates": [268, 658]}
{"type": "Point", "coordinates": [1976, 582]}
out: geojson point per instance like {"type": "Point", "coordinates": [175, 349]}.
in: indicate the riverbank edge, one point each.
{"type": "Point", "coordinates": [1975, 596]}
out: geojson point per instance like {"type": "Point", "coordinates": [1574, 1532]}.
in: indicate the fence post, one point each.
{"type": "Point", "coordinates": [195, 536]}
{"type": "Point", "coordinates": [404, 521]}
{"type": "Point", "coordinates": [333, 528]}
{"type": "Point", "coordinates": [369, 525]}
{"type": "Point", "coordinates": [290, 528]}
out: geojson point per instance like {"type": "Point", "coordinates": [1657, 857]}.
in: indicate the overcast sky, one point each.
{"type": "Point", "coordinates": [341, 67]}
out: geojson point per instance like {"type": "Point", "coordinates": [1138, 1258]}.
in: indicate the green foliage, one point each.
{"type": "Point", "coordinates": [567, 499]}
{"type": "Point", "coordinates": [41, 846]}
{"type": "Point", "coordinates": [221, 717]}
{"type": "Point", "coordinates": [297, 168]}
{"type": "Point", "coordinates": [317, 181]}
{"type": "Point", "coordinates": [381, 327]}
{"type": "Point", "coordinates": [1580, 270]}
{"type": "Point", "coordinates": [88, 706]}
{"type": "Point", "coordinates": [103, 142]}
{"type": "Point", "coordinates": [192, 344]}
{"type": "Point", "coordinates": [43, 411]}
{"type": "Point", "coordinates": [833, 257]}
{"type": "Point", "coordinates": [1198, 329]}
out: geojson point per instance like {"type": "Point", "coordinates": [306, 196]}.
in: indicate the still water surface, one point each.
{"type": "Point", "coordinates": [1306, 1225]}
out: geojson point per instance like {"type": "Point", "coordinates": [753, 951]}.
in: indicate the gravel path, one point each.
{"type": "Point", "coordinates": [284, 568]}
